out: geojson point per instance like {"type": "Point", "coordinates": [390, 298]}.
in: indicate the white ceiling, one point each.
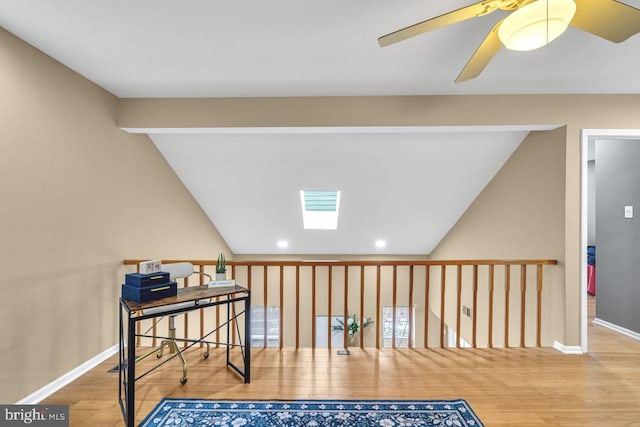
{"type": "Point", "coordinates": [404, 185]}
{"type": "Point", "coordinates": [210, 48]}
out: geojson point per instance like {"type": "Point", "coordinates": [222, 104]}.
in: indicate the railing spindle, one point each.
{"type": "Point", "coordinates": [248, 287]}
{"type": "Point", "coordinates": [459, 302]}
{"type": "Point", "coordinates": [185, 284]}
{"type": "Point", "coordinates": [345, 328]}
{"type": "Point", "coordinates": [329, 308]}
{"type": "Point", "coordinates": [233, 321]}
{"type": "Point", "coordinates": [427, 282]}
{"type": "Point", "coordinates": [139, 325]}
{"type": "Point", "coordinates": [475, 306]}
{"type": "Point", "coordinates": [281, 326]}
{"type": "Point", "coordinates": [265, 291]}
{"type": "Point", "coordinates": [362, 307]}
{"type": "Point", "coordinates": [410, 341]}
{"type": "Point", "coordinates": [523, 292]}
{"type": "Point", "coordinates": [539, 302]}
{"type": "Point", "coordinates": [491, 287]}
{"type": "Point", "coordinates": [297, 307]}
{"type": "Point", "coordinates": [313, 307]}
{"type": "Point", "coordinates": [201, 270]}
{"type": "Point", "coordinates": [507, 286]}
{"type": "Point", "coordinates": [378, 318]}
{"type": "Point", "coordinates": [393, 311]}
{"type": "Point", "coordinates": [443, 282]}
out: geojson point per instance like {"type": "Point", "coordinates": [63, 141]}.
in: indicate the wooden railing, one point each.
{"type": "Point", "coordinates": [434, 292]}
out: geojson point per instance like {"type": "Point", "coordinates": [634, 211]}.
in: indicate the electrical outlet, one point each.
{"type": "Point", "coordinates": [466, 311]}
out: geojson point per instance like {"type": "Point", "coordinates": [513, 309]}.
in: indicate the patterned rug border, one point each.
{"type": "Point", "coordinates": [469, 416]}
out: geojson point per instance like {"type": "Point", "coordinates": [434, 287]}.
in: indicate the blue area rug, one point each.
{"type": "Point", "coordinates": [384, 413]}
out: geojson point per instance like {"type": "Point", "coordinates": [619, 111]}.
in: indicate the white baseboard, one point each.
{"type": "Point", "coordinates": [567, 349]}
{"type": "Point", "coordinates": [616, 328]}
{"type": "Point", "coordinates": [70, 376]}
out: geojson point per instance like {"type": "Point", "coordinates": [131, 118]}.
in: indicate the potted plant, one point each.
{"type": "Point", "coordinates": [221, 268]}
{"type": "Point", "coordinates": [353, 328]}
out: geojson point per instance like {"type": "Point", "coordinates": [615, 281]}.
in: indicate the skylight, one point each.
{"type": "Point", "coordinates": [320, 209]}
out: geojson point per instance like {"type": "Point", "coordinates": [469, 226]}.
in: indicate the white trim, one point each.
{"type": "Point", "coordinates": [616, 328]}
{"type": "Point", "coordinates": [587, 135]}
{"type": "Point", "coordinates": [342, 129]}
{"type": "Point", "coordinates": [584, 237]}
{"type": "Point", "coordinates": [567, 349]}
{"type": "Point", "coordinates": [70, 376]}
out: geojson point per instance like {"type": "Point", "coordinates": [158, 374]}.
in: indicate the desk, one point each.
{"type": "Point", "coordinates": [195, 294]}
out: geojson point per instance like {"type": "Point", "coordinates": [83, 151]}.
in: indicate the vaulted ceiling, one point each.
{"type": "Point", "coordinates": [407, 186]}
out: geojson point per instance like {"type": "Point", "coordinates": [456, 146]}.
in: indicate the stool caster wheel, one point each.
{"type": "Point", "coordinates": [206, 355]}
{"type": "Point", "coordinates": [183, 381]}
{"type": "Point", "coordinates": [158, 355]}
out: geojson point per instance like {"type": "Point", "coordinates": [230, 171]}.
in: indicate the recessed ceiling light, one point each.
{"type": "Point", "coordinates": [283, 244]}
{"type": "Point", "coordinates": [381, 243]}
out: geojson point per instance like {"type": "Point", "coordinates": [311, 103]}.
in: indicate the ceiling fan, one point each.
{"type": "Point", "coordinates": [530, 25]}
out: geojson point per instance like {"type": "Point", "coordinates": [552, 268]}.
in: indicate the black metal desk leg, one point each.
{"type": "Point", "coordinates": [131, 370]}
{"type": "Point", "coordinates": [120, 352]}
{"type": "Point", "coordinates": [247, 338]}
{"type": "Point", "coordinates": [228, 326]}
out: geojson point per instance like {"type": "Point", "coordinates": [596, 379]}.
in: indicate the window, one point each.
{"type": "Point", "coordinates": [257, 326]}
{"type": "Point", "coordinates": [320, 209]}
{"type": "Point", "coordinates": [337, 337]}
{"type": "Point", "coordinates": [402, 326]}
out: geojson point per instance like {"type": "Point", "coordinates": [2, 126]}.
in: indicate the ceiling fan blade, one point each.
{"type": "Point", "coordinates": [462, 14]}
{"type": "Point", "coordinates": [485, 52]}
{"type": "Point", "coordinates": [608, 19]}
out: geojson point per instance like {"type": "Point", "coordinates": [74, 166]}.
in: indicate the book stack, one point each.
{"type": "Point", "coordinates": [140, 287]}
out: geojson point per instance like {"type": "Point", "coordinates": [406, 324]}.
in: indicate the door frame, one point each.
{"type": "Point", "coordinates": [591, 135]}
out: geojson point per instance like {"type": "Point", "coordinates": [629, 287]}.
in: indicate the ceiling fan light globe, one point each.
{"type": "Point", "coordinates": [536, 24]}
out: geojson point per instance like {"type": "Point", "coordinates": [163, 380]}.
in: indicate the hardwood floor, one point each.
{"type": "Point", "coordinates": [505, 387]}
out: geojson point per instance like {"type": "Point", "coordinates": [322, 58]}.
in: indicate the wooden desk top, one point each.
{"type": "Point", "coordinates": [192, 293]}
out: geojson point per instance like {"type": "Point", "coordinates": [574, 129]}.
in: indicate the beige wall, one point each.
{"type": "Point", "coordinates": [577, 112]}
{"type": "Point", "coordinates": [78, 196]}
{"type": "Point", "coordinates": [518, 215]}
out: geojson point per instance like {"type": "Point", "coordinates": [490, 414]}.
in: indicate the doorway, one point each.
{"type": "Point", "coordinates": [587, 235]}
